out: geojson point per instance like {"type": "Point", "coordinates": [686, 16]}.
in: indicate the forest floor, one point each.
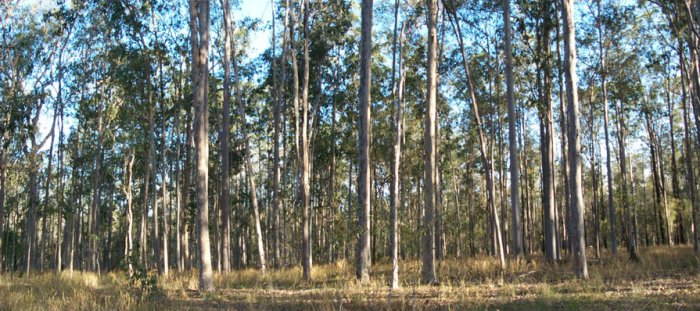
{"type": "Point", "coordinates": [665, 278]}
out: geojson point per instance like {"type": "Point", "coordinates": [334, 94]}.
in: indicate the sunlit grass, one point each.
{"type": "Point", "coordinates": [665, 278]}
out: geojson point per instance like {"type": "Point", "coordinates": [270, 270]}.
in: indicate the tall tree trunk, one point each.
{"type": "Point", "coordinates": [199, 34]}
{"type": "Point", "coordinates": [579, 244]}
{"type": "Point", "coordinates": [396, 165]}
{"type": "Point", "coordinates": [305, 190]}
{"type": "Point", "coordinates": [563, 212]}
{"type": "Point", "coordinates": [517, 237]}
{"type": "Point", "coordinates": [363, 260]}
{"type": "Point", "coordinates": [547, 140]}
{"type": "Point", "coordinates": [428, 275]}
{"type": "Point", "coordinates": [224, 140]}
{"type": "Point", "coordinates": [61, 183]}
{"type": "Point", "coordinates": [604, 89]}
{"type": "Point", "coordinates": [279, 103]}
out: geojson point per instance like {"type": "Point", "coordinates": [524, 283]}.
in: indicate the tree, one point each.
{"type": "Point", "coordinates": [224, 140]}
{"type": "Point", "coordinates": [305, 170]}
{"type": "Point", "coordinates": [279, 87]}
{"type": "Point", "coordinates": [517, 231]}
{"type": "Point", "coordinates": [604, 91]}
{"type": "Point", "coordinates": [199, 36]}
{"type": "Point", "coordinates": [363, 170]}
{"type": "Point", "coordinates": [396, 169]}
{"type": "Point", "coordinates": [577, 239]}
{"type": "Point", "coordinates": [547, 134]}
{"type": "Point", "coordinates": [428, 275]}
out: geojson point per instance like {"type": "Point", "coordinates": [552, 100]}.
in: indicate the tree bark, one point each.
{"type": "Point", "coordinates": [579, 244]}
{"type": "Point", "coordinates": [603, 74]}
{"type": "Point", "coordinates": [305, 172]}
{"type": "Point", "coordinates": [396, 168]}
{"type": "Point", "coordinates": [224, 140]}
{"type": "Point", "coordinates": [428, 275]}
{"type": "Point", "coordinates": [364, 181]}
{"type": "Point", "coordinates": [517, 233]}
{"type": "Point", "coordinates": [564, 211]}
{"type": "Point", "coordinates": [280, 86]}
{"type": "Point", "coordinates": [199, 34]}
{"type": "Point", "coordinates": [547, 141]}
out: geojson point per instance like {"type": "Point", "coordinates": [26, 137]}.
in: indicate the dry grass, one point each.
{"type": "Point", "coordinates": [665, 278]}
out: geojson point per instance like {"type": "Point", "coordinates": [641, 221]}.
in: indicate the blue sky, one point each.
{"type": "Point", "coordinates": [258, 9]}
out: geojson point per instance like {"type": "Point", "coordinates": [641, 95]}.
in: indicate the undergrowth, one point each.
{"type": "Point", "coordinates": [665, 278]}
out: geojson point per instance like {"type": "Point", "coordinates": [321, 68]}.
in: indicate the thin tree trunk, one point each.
{"type": "Point", "coordinates": [517, 233]}
{"type": "Point", "coordinates": [596, 208]}
{"type": "Point", "coordinates": [396, 169]}
{"type": "Point", "coordinates": [562, 214]}
{"type": "Point", "coordinates": [603, 73]}
{"type": "Point", "coordinates": [305, 190]}
{"type": "Point", "coordinates": [547, 141]}
{"type": "Point", "coordinates": [280, 87]}
{"type": "Point", "coordinates": [224, 140]}
{"type": "Point", "coordinates": [199, 34]}
{"type": "Point", "coordinates": [578, 238]}
{"type": "Point", "coordinates": [364, 181]}
{"type": "Point", "coordinates": [428, 275]}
